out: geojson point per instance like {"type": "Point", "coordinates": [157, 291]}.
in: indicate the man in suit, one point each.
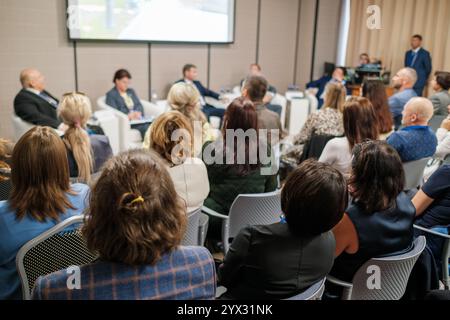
{"type": "Point", "coordinates": [320, 85]}
{"type": "Point", "coordinates": [190, 74]}
{"type": "Point", "coordinates": [34, 104]}
{"type": "Point", "coordinates": [420, 60]}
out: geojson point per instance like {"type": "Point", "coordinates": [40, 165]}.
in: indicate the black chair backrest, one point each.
{"type": "Point", "coordinates": [5, 189]}
{"type": "Point", "coordinates": [314, 147]}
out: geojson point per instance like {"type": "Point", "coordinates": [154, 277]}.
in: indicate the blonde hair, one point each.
{"type": "Point", "coordinates": [335, 94]}
{"type": "Point", "coordinates": [75, 111]}
{"type": "Point", "coordinates": [185, 98]}
{"type": "Point", "coordinates": [161, 133]}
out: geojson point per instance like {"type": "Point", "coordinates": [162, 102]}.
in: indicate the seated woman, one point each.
{"type": "Point", "coordinates": [441, 98]}
{"type": "Point", "coordinates": [432, 204]}
{"type": "Point", "coordinates": [327, 121]}
{"type": "Point", "coordinates": [41, 198]}
{"type": "Point", "coordinates": [379, 221]}
{"type": "Point", "coordinates": [171, 137]}
{"type": "Point", "coordinates": [185, 98]}
{"type": "Point", "coordinates": [360, 124]}
{"type": "Point", "coordinates": [375, 92]}
{"type": "Point", "coordinates": [125, 99]}
{"type": "Point", "coordinates": [246, 174]}
{"type": "Point", "coordinates": [284, 259]}
{"type": "Point", "coordinates": [86, 153]}
{"type": "Point", "coordinates": [136, 223]}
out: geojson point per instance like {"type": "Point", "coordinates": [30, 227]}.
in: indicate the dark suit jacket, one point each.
{"type": "Point", "coordinates": [319, 84]}
{"type": "Point", "coordinates": [205, 92]}
{"type": "Point", "coordinates": [270, 262]}
{"type": "Point", "coordinates": [101, 153]}
{"type": "Point", "coordinates": [36, 110]}
{"type": "Point", "coordinates": [422, 65]}
{"type": "Point", "coordinates": [115, 100]}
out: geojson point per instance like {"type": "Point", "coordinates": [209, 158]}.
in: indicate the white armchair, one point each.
{"type": "Point", "coordinates": [20, 127]}
{"type": "Point", "coordinates": [130, 138]}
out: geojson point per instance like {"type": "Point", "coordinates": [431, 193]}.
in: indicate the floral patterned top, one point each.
{"type": "Point", "coordinates": [326, 121]}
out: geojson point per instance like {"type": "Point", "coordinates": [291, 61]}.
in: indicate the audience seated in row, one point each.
{"type": "Point", "coordinates": [360, 124]}
{"type": "Point", "coordinates": [379, 220]}
{"type": "Point", "coordinates": [188, 173]}
{"type": "Point", "coordinates": [325, 122]}
{"type": "Point", "coordinates": [42, 197]}
{"type": "Point", "coordinates": [281, 260]}
{"type": "Point", "coordinates": [375, 92]}
{"type": "Point", "coordinates": [86, 151]}
{"type": "Point", "coordinates": [404, 82]}
{"type": "Point", "coordinates": [185, 98]}
{"type": "Point", "coordinates": [136, 226]}
{"type": "Point", "coordinates": [416, 140]}
{"type": "Point", "coordinates": [227, 181]}
{"type": "Point", "coordinates": [124, 99]}
{"type": "Point", "coordinates": [441, 98]}
{"type": "Point", "coordinates": [34, 104]}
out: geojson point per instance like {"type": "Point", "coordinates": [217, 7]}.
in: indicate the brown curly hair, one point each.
{"type": "Point", "coordinates": [135, 215]}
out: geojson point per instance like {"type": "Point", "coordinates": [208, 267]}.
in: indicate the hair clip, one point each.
{"type": "Point", "coordinates": [138, 199]}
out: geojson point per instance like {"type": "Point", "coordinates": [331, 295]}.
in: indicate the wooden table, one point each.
{"type": "Point", "coordinates": [356, 90]}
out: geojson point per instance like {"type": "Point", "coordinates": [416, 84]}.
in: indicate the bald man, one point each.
{"type": "Point", "coordinates": [403, 82]}
{"type": "Point", "coordinates": [416, 140]}
{"type": "Point", "coordinates": [33, 104]}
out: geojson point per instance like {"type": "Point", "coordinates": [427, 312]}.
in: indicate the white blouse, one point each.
{"type": "Point", "coordinates": [337, 153]}
{"type": "Point", "coordinates": [191, 182]}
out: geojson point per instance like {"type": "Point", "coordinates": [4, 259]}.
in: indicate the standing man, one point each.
{"type": "Point", "coordinates": [190, 75]}
{"type": "Point", "coordinates": [420, 60]}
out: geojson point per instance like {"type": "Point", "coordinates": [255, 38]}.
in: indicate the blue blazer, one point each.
{"type": "Point", "coordinates": [115, 100]}
{"type": "Point", "coordinates": [205, 92]}
{"type": "Point", "coordinates": [422, 64]}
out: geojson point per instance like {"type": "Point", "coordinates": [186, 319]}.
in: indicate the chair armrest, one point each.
{"type": "Point", "coordinates": [339, 282]}
{"type": "Point", "coordinates": [435, 233]}
{"type": "Point", "coordinates": [214, 213]}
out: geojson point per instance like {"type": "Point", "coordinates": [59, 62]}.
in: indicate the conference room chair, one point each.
{"type": "Point", "coordinates": [394, 272]}
{"type": "Point", "coordinates": [54, 250]}
{"type": "Point", "coordinates": [414, 173]}
{"type": "Point", "coordinates": [5, 189]}
{"type": "Point", "coordinates": [130, 138]}
{"type": "Point", "coordinates": [20, 127]}
{"type": "Point", "coordinates": [445, 256]}
{"type": "Point", "coordinates": [436, 121]}
{"type": "Point", "coordinates": [192, 235]}
{"type": "Point", "coordinates": [248, 209]}
{"type": "Point", "coordinates": [315, 292]}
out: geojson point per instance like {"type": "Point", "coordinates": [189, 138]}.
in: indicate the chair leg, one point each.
{"type": "Point", "coordinates": [347, 294]}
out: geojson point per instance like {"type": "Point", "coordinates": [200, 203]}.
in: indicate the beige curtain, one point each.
{"type": "Point", "coordinates": [400, 20]}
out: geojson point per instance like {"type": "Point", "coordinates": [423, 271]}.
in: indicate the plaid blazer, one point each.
{"type": "Point", "coordinates": [187, 273]}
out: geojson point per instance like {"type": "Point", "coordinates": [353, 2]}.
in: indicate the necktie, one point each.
{"type": "Point", "coordinates": [414, 57]}
{"type": "Point", "coordinates": [49, 99]}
